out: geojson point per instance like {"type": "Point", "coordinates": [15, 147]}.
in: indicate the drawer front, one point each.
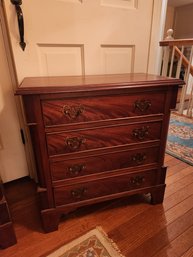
{"type": "Point", "coordinates": [101, 163]}
{"type": "Point", "coordinates": [67, 142]}
{"type": "Point", "coordinates": [93, 189]}
{"type": "Point", "coordinates": [78, 110]}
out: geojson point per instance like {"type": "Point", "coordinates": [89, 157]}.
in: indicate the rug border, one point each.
{"type": "Point", "coordinates": [180, 115]}
{"type": "Point", "coordinates": [95, 231]}
{"type": "Point", "coordinates": [178, 157]}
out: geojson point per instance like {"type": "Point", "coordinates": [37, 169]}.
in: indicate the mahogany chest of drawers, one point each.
{"type": "Point", "coordinates": [97, 138]}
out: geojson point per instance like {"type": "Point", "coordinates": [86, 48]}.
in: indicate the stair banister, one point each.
{"type": "Point", "coordinates": [173, 50]}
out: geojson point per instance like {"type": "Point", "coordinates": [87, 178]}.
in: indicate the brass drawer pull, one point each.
{"type": "Point", "coordinates": [141, 133]}
{"type": "Point", "coordinates": [74, 143]}
{"type": "Point", "coordinates": [136, 181]}
{"type": "Point", "coordinates": [142, 105]}
{"type": "Point", "coordinates": [139, 158]}
{"type": "Point", "coordinates": [78, 193]}
{"type": "Point", "coordinates": [72, 111]}
{"type": "Point", "coordinates": [76, 169]}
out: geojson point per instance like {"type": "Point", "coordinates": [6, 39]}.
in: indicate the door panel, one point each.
{"type": "Point", "coordinates": [127, 4]}
{"type": "Point", "coordinates": [117, 58]}
{"type": "Point", "coordinates": [73, 37]}
{"type": "Point", "coordinates": [58, 59]}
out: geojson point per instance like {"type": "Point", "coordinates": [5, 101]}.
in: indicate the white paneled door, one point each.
{"type": "Point", "coordinates": [77, 37]}
{"type": "Point", "coordinates": [74, 37]}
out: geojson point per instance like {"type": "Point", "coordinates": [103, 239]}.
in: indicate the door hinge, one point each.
{"type": "Point", "coordinates": [22, 136]}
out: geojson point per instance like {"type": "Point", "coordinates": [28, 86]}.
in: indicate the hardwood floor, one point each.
{"type": "Point", "coordinates": [138, 228]}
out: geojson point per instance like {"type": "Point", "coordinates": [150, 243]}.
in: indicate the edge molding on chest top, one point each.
{"type": "Point", "coordinates": [97, 138]}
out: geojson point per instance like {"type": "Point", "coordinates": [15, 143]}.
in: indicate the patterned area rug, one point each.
{"type": "Point", "coordinates": [95, 243]}
{"type": "Point", "coordinates": [180, 138]}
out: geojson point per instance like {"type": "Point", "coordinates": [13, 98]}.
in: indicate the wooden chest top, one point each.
{"type": "Point", "coordinates": [45, 85]}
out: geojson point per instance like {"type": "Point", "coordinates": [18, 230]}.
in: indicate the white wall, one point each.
{"type": "Point", "coordinates": [12, 154]}
{"type": "Point", "coordinates": [183, 22]}
{"type": "Point", "coordinates": [169, 19]}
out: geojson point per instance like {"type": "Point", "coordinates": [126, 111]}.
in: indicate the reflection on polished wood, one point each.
{"type": "Point", "coordinates": [138, 228]}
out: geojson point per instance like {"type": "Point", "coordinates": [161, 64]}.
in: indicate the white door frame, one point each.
{"type": "Point", "coordinates": [157, 33]}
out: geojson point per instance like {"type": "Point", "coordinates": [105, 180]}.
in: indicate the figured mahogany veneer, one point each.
{"type": "Point", "coordinates": [89, 139]}
{"type": "Point", "coordinates": [97, 137]}
{"type": "Point", "coordinates": [56, 112]}
{"type": "Point", "coordinates": [83, 166]}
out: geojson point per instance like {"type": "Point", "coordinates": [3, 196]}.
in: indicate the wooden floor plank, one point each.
{"type": "Point", "coordinates": [184, 182]}
{"type": "Point", "coordinates": [144, 226]}
{"type": "Point", "coordinates": [173, 169]}
{"type": "Point", "coordinates": [189, 253]}
{"type": "Point", "coordinates": [179, 175]}
{"type": "Point", "coordinates": [161, 239]}
{"type": "Point", "coordinates": [179, 246]}
{"type": "Point", "coordinates": [168, 157]}
{"type": "Point", "coordinates": [180, 195]}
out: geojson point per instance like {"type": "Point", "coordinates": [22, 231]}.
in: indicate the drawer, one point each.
{"type": "Point", "coordinates": [82, 140]}
{"type": "Point", "coordinates": [104, 162]}
{"type": "Point", "coordinates": [98, 188]}
{"type": "Point", "coordinates": [78, 110]}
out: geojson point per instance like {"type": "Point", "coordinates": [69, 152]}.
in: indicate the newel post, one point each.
{"type": "Point", "coordinates": [166, 53]}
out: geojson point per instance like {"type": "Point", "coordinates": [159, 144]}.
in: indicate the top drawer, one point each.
{"type": "Point", "coordinates": [78, 110]}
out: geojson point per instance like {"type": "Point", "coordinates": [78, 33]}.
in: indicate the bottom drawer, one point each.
{"type": "Point", "coordinates": [103, 187]}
